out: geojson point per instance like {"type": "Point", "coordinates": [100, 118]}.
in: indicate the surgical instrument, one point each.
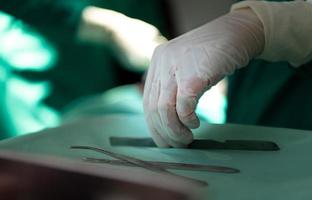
{"type": "Point", "coordinates": [171, 165]}
{"type": "Point", "coordinates": [141, 163]}
{"type": "Point", "coordinates": [201, 144]}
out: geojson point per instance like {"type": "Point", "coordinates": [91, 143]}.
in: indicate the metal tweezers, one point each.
{"type": "Point", "coordinates": [159, 167]}
{"type": "Point", "coordinates": [171, 165]}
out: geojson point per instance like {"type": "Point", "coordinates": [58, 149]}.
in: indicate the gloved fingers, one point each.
{"type": "Point", "coordinates": [191, 85]}
{"type": "Point", "coordinates": [162, 140]}
{"type": "Point", "coordinates": [187, 98]}
{"type": "Point", "coordinates": [160, 128]}
{"type": "Point", "coordinates": [159, 141]}
{"type": "Point", "coordinates": [176, 131]}
{"type": "Point", "coordinates": [186, 105]}
{"type": "Point", "coordinates": [151, 97]}
{"type": "Point", "coordinates": [151, 73]}
{"type": "Point", "coordinates": [157, 128]}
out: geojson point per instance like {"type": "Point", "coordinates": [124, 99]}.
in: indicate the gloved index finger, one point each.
{"type": "Point", "coordinates": [191, 85]}
{"type": "Point", "coordinates": [172, 126]}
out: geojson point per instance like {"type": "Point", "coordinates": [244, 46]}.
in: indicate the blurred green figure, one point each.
{"type": "Point", "coordinates": [54, 52]}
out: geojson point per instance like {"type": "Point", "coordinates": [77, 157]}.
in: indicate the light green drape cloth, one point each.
{"type": "Point", "coordinates": [279, 175]}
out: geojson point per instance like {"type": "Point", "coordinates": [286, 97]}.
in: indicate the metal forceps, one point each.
{"type": "Point", "coordinates": [172, 165]}
{"type": "Point", "coordinates": [141, 163]}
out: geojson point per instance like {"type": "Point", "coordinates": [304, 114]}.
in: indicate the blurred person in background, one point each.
{"type": "Point", "coordinates": [55, 52]}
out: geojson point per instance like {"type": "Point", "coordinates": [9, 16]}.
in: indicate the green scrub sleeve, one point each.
{"type": "Point", "coordinates": [45, 13]}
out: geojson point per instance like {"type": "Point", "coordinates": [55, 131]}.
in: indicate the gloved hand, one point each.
{"type": "Point", "coordinates": [132, 40]}
{"type": "Point", "coordinates": [185, 67]}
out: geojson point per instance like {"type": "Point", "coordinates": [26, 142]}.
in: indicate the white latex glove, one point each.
{"type": "Point", "coordinates": [132, 40]}
{"type": "Point", "coordinates": [184, 68]}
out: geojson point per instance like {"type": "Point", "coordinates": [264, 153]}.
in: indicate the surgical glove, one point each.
{"type": "Point", "coordinates": [182, 69]}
